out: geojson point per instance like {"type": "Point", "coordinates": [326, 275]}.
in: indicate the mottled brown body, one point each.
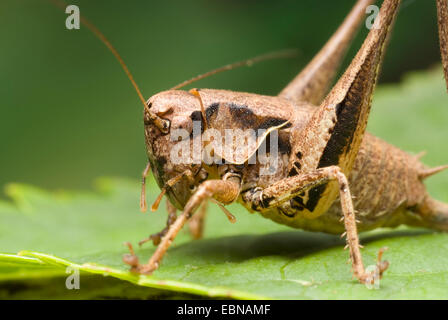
{"type": "Point", "coordinates": [385, 181]}
{"type": "Point", "coordinates": [330, 176]}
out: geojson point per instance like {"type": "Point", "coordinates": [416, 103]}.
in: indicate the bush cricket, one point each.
{"type": "Point", "coordinates": [331, 176]}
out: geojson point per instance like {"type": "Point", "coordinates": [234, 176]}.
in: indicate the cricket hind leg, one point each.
{"type": "Point", "coordinates": [313, 82]}
{"type": "Point", "coordinates": [442, 18]}
{"type": "Point", "coordinates": [289, 188]}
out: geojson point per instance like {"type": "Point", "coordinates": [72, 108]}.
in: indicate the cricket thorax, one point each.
{"type": "Point", "coordinates": [228, 115]}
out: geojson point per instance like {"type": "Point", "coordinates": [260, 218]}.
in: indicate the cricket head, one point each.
{"type": "Point", "coordinates": [168, 117]}
{"type": "Point", "coordinates": [204, 131]}
{"type": "Point", "coordinates": [169, 121]}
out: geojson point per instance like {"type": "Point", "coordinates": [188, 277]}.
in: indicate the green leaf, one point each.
{"type": "Point", "coordinates": [42, 233]}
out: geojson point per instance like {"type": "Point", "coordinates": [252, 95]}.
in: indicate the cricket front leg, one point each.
{"type": "Point", "coordinates": [289, 188]}
{"type": "Point", "coordinates": [224, 191]}
{"type": "Point", "coordinates": [155, 238]}
{"type": "Point", "coordinates": [145, 173]}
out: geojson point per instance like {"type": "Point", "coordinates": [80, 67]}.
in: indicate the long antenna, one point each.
{"type": "Point", "coordinates": [62, 5]}
{"type": "Point", "coordinates": [288, 53]}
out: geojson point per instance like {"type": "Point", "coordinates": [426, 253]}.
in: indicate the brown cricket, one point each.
{"type": "Point", "coordinates": [332, 176]}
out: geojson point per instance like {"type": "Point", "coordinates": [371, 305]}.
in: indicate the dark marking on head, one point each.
{"type": "Point", "coordinates": [243, 115]}
{"type": "Point", "coordinates": [299, 155]}
{"type": "Point", "coordinates": [247, 118]}
{"type": "Point", "coordinates": [297, 165]}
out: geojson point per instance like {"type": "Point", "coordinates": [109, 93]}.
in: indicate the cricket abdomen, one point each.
{"type": "Point", "coordinates": [385, 182]}
{"type": "Point", "coordinates": [385, 185]}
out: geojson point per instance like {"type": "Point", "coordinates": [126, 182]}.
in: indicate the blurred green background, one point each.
{"type": "Point", "coordinates": [68, 114]}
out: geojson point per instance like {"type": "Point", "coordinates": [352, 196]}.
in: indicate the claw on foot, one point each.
{"type": "Point", "coordinates": [155, 238]}
{"type": "Point", "coordinates": [369, 277]}
{"type": "Point", "coordinates": [382, 265]}
{"type": "Point", "coordinates": [131, 258]}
